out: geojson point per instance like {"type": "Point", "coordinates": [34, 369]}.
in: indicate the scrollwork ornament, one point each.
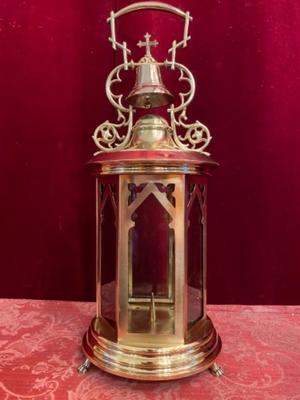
{"type": "Point", "coordinates": [185, 76]}
{"type": "Point", "coordinates": [185, 136]}
{"type": "Point", "coordinates": [196, 137]}
{"type": "Point", "coordinates": [114, 77]}
{"type": "Point", "coordinates": [107, 137]}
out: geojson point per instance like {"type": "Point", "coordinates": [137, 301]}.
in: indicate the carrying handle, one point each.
{"type": "Point", "coordinates": [149, 5]}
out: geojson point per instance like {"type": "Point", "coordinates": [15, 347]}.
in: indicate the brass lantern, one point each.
{"type": "Point", "coordinates": [151, 199]}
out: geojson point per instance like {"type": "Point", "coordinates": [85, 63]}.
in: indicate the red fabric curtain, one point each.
{"type": "Point", "coordinates": [55, 57]}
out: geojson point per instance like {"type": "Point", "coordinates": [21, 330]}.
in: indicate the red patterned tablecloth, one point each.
{"type": "Point", "coordinates": [40, 351]}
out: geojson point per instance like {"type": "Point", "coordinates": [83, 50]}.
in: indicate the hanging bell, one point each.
{"type": "Point", "coordinates": [149, 91]}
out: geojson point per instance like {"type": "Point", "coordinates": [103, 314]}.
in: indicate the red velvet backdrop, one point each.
{"type": "Point", "coordinates": [55, 57]}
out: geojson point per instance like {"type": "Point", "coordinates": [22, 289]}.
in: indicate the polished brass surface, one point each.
{"type": "Point", "coordinates": [142, 161]}
{"type": "Point", "coordinates": [151, 330]}
{"type": "Point", "coordinates": [150, 167]}
{"type": "Point", "coordinates": [152, 339]}
{"type": "Point", "coordinates": [167, 315]}
{"type": "Point", "coordinates": [149, 90]}
{"type": "Point", "coordinates": [160, 362]}
{"type": "Point", "coordinates": [149, 319]}
{"type": "Point", "coordinates": [151, 132]}
{"type": "Point", "coordinates": [152, 310]}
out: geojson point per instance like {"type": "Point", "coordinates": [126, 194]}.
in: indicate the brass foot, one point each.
{"type": "Point", "coordinates": [83, 368]}
{"type": "Point", "coordinates": [216, 370]}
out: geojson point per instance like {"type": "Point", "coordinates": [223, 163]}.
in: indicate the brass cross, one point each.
{"type": "Point", "coordinates": [148, 43]}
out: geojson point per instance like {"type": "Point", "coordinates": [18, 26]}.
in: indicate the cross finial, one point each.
{"type": "Point", "coordinates": [147, 43]}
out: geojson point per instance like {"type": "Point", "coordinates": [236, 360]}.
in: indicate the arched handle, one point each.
{"type": "Point", "coordinates": [148, 5]}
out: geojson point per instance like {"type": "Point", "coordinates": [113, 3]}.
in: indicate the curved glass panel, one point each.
{"type": "Point", "coordinates": [108, 253]}
{"type": "Point", "coordinates": [195, 254]}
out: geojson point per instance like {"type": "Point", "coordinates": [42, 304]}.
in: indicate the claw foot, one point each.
{"type": "Point", "coordinates": [216, 370]}
{"type": "Point", "coordinates": [83, 368]}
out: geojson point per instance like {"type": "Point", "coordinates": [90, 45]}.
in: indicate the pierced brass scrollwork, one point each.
{"type": "Point", "coordinates": [110, 136]}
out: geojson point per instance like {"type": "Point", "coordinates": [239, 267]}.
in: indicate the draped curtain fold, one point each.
{"type": "Point", "coordinates": [55, 57]}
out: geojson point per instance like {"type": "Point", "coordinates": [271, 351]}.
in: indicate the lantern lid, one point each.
{"type": "Point", "coordinates": [152, 161]}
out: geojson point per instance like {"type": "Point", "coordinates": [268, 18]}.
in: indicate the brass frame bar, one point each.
{"type": "Point", "coordinates": [125, 223]}
{"type": "Point", "coordinates": [158, 300]}
{"type": "Point", "coordinates": [180, 260]}
{"type": "Point", "coordinates": [171, 267]}
{"type": "Point", "coordinates": [122, 263]}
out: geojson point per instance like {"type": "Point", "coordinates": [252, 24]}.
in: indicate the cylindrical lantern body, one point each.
{"type": "Point", "coordinates": [151, 201]}
{"type": "Point", "coordinates": [151, 320]}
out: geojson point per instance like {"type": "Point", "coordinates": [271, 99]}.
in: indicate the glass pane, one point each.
{"type": "Point", "coordinates": [151, 260]}
{"type": "Point", "coordinates": [195, 257]}
{"type": "Point", "coordinates": [108, 255]}
{"type": "Point", "coordinates": [149, 240]}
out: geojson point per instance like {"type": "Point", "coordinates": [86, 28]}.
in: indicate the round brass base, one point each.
{"type": "Point", "coordinates": [152, 363]}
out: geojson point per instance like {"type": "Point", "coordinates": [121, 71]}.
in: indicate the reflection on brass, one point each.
{"type": "Point", "coordinates": [102, 327]}
{"type": "Point", "coordinates": [151, 132]}
{"type": "Point", "coordinates": [133, 314]}
{"type": "Point", "coordinates": [152, 308]}
{"type": "Point", "coordinates": [152, 324]}
{"type": "Point", "coordinates": [199, 330]}
{"type": "Point", "coordinates": [141, 320]}
{"type": "Point", "coordinates": [146, 167]}
{"type": "Point", "coordinates": [156, 362]}
{"type": "Point", "coordinates": [149, 90]}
